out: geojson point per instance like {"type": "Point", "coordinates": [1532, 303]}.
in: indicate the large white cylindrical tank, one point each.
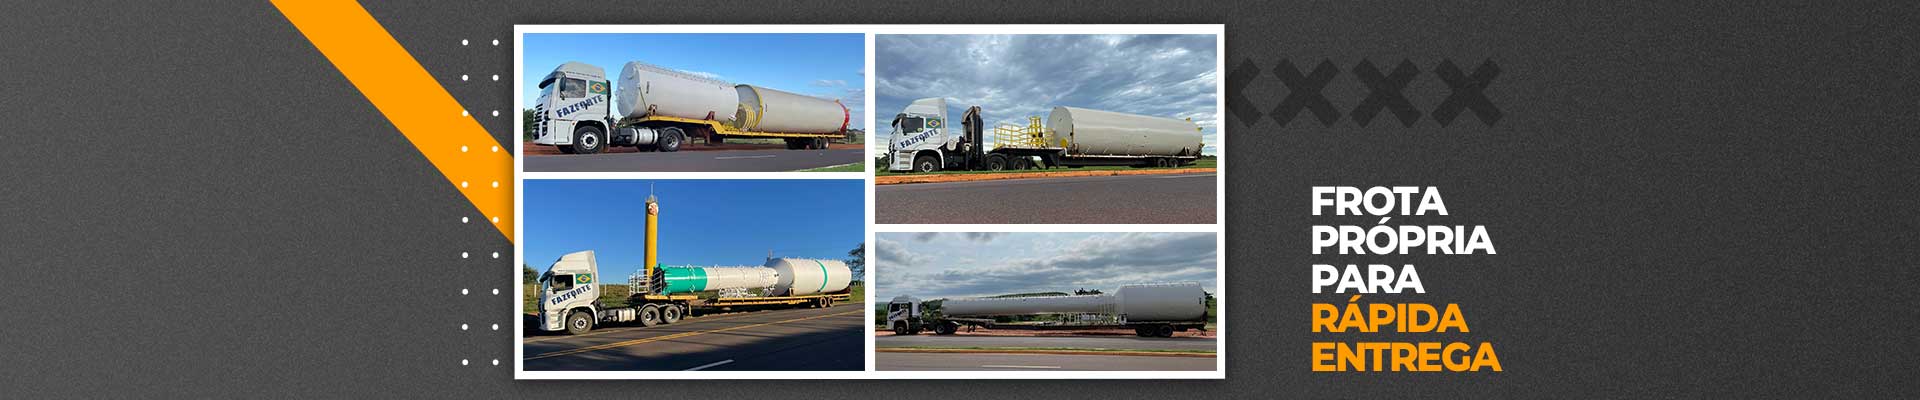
{"type": "Point", "coordinates": [1099, 304]}
{"type": "Point", "coordinates": [804, 276]}
{"type": "Point", "coordinates": [767, 110]}
{"type": "Point", "coordinates": [673, 93]}
{"type": "Point", "coordinates": [700, 279]}
{"type": "Point", "coordinates": [1162, 302]}
{"type": "Point", "coordinates": [1095, 132]}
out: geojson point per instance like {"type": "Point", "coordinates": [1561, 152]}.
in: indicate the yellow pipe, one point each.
{"type": "Point", "coordinates": [653, 237]}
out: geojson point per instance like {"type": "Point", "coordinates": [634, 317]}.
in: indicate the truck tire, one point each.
{"type": "Point", "coordinates": [822, 143]}
{"type": "Point", "coordinates": [649, 315]}
{"type": "Point", "coordinates": [926, 164]}
{"type": "Point", "coordinates": [1163, 331]}
{"type": "Point", "coordinates": [589, 140]}
{"type": "Point", "coordinates": [996, 162]}
{"type": "Point", "coordinates": [670, 139]}
{"type": "Point", "coordinates": [946, 328]}
{"type": "Point", "coordinates": [579, 322]}
{"type": "Point", "coordinates": [900, 330]}
{"type": "Point", "coordinates": [670, 314]}
{"type": "Point", "coordinates": [1021, 163]}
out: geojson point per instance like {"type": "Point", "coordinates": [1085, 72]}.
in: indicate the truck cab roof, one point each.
{"type": "Point", "coordinates": [928, 106]}
{"type": "Point", "coordinates": [905, 299]}
{"type": "Point", "coordinates": [573, 263]}
{"type": "Point", "coordinates": [574, 69]}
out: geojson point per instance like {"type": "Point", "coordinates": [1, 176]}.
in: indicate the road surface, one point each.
{"type": "Point", "coordinates": [697, 161]}
{"type": "Point", "coordinates": [886, 361]}
{"type": "Point", "coordinates": [805, 339]}
{"type": "Point", "coordinates": [1128, 343]}
{"type": "Point", "coordinates": [1123, 199]}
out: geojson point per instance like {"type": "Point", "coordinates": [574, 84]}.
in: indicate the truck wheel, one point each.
{"type": "Point", "coordinates": [670, 314]}
{"type": "Point", "coordinates": [826, 302]}
{"type": "Point", "coordinates": [822, 143]}
{"type": "Point", "coordinates": [588, 140]}
{"type": "Point", "coordinates": [1020, 163]}
{"type": "Point", "coordinates": [1140, 331]}
{"type": "Point", "coordinates": [670, 139]}
{"type": "Point", "coordinates": [946, 328]}
{"type": "Point", "coordinates": [1163, 331]}
{"type": "Point", "coordinates": [996, 162]}
{"type": "Point", "coordinates": [579, 322]}
{"type": "Point", "coordinates": [900, 330]}
{"type": "Point", "coordinates": [926, 164]}
{"type": "Point", "coordinates": [649, 315]}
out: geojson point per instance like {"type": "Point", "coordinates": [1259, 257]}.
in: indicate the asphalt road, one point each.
{"type": "Point", "coordinates": [805, 339]}
{"type": "Point", "coordinates": [1124, 199]}
{"type": "Point", "coordinates": [697, 161]}
{"type": "Point", "coordinates": [1128, 343]}
{"type": "Point", "coordinates": [886, 361]}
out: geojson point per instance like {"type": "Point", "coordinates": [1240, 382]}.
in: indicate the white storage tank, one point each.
{"type": "Point", "coordinates": [673, 93]}
{"type": "Point", "coordinates": [767, 110]}
{"type": "Point", "coordinates": [1099, 304]}
{"type": "Point", "coordinates": [700, 279]}
{"type": "Point", "coordinates": [804, 276]}
{"type": "Point", "coordinates": [1162, 302]}
{"type": "Point", "coordinates": [1095, 132]}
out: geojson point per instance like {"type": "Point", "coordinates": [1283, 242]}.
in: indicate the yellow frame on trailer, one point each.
{"type": "Point", "coordinates": [729, 131]}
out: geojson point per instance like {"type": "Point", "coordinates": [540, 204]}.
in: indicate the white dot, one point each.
{"type": "Point", "coordinates": [463, 327]}
{"type": "Point", "coordinates": [464, 113]}
{"type": "Point", "coordinates": [463, 149]}
{"type": "Point", "coordinates": [463, 292]}
{"type": "Point", "coordinates": [496, 42]}
{"type": "Point", "coordinates": [463, 361]}
{"type": "Point", "coordinates": [496, 361]}
{"type": "Point", "coordinates": [496, 184]}
{"type": "Point", "coordinates": [496, 327]}
{"type": "Point", "coordinates": [463, 254]}
{"type": "Point", "coordinates": [463, 220]}
{"type": "Point", "coordinates": [496, 254]}
{"type": "Point", "coordinates": [463, 42]}
{"type": "Point", "coordinates": [496, 113]}
{"type": "Point", "coordinates": [496, 220]}
{"type": "Point", "coordinates": [463, 184]}
{"type": "Point", "coordinates": [463, 77]}
{"type": "Point", "coordinates": [496, 149]}
{"type": "Point", "coordinates": [496, 291]}
{"type": "Point", "coordinates": [496, 77]}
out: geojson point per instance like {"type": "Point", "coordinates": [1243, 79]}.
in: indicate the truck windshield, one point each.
{"type": "Point", "coordinates": [560, 283]}
{"type": "Point", "coordinates": [547, 89]}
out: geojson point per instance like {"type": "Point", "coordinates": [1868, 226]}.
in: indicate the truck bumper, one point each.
{"type": "Point", "coordinates": [551, 322]}
{"type": "Point", "coordinates": [902, 161]}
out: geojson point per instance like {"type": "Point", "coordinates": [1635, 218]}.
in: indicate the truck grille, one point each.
{"type": "Point", "coordinates": [539, 121]}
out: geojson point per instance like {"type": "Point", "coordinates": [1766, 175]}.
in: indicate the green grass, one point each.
{"type": "Point", "coordinates": [848, 167]}
{"type": "Point", "coordinates": [1206, 162]}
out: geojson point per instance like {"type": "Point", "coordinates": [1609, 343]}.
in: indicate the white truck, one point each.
{"type": "Point", "coordinates": [923, 140]}
{"type": "Point", "coordinates": [1151, 310]}
{"type": "Point", "coordinates": [654, 108]}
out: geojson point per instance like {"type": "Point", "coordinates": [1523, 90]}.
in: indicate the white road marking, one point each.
{"type": "Point", "coordinates": [710, 365]}
{"type": "Point", "coordinates": [740, 157]}
{"type": "Point", "coordinates": [1022, 366]}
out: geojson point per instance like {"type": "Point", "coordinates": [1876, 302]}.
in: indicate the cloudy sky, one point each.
{"type": "Point", "coordinates": [1012, 77]}
{"type": "Point", "coordinates": [942, 265]}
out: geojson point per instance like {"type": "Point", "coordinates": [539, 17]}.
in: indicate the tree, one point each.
{"type": "Point", "coordinates": [527, 275]}
{"type": "Point", "coordinates": [526, 123]}
{"type": "Point", "coordinates": [858, 260]}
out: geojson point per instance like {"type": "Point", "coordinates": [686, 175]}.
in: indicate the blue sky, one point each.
{"type": "Point", "coordinates": [932, 265]}
{"type": "Point", "coordinates": [1012, 77]}
{"type": "Point", "coordinates": [828, 65]}
{"type": "Point", "coordinates": [725, 222]}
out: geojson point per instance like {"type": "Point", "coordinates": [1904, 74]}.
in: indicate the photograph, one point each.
{"type": "Point", "coordinates": [693, 102]}
{"type": "Point", "coordinates": [1047, 129]}
{"type": "Point", "coordinates": [991, 301]}
{"type": "Point", "coordinates": [693, 275]}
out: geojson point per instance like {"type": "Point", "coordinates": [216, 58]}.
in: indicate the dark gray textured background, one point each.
{"type": "Point", "coordinates": [1689, 200]}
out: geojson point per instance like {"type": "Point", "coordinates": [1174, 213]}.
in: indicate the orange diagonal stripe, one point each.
{"type": "Point", "coordinates": [410, 98]}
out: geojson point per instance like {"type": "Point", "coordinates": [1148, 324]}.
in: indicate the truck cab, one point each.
{"type": "Point", "coordinates": [572, 110]}
{"type": "Point", "coordinates": [908, 315]}
{"type": "Point", "coordinates": [921, 137]}
{"type": "Point", "coordinates": [569, 293]}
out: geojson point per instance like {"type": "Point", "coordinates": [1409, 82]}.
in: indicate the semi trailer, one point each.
{"type": "Point", "coordinates": [661, 294]}
{"type": "Point", "coordinates": [653, 108]}
{"type": "Point", "coordinates": [1151, 310]}
{"type": "Point", "coordinates": [923, 140]}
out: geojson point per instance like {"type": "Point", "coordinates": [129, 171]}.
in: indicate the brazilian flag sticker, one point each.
{"type": "Point", "coordinates": [597, 87]}
{"type": "Point", "coordinates": [582, 279]}
{"type": "Point", "coordinates": [933, 124]}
